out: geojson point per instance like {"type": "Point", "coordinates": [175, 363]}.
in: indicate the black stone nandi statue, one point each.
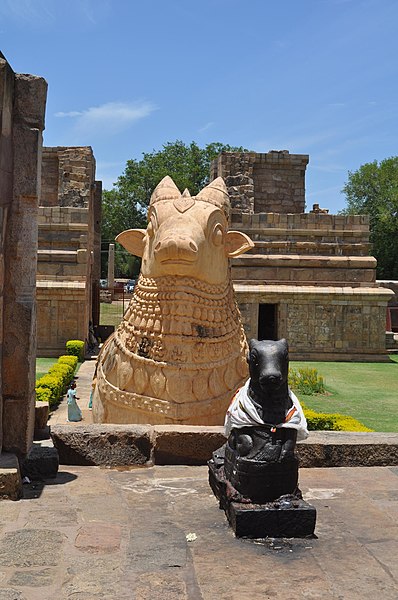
{"type": "Point", "coordinates": [255, 473]}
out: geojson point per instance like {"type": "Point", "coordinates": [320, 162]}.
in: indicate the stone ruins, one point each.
{"type": "Point", "coordinates": [180, 351]}
{"type": "Point", "coordinates": [69, 254]}
{"type": "Point", "coordinates": [309, 277]}
{"type": "Point", "coordinates": [22, 108]}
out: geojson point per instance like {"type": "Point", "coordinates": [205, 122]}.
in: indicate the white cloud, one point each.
{"type": "Point", "coordinates": [72, 113]}
{"type": "Point", "coordinates": [206, 127]}
{"type": "Point", "coordinates": [46, 13]}
{"type": "Point", "coordinates": [108, 118]}
{"type": "Point", "coordinates": [37, 11]}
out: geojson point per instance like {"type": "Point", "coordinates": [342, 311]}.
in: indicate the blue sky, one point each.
{"type": "Point", "coordinates": [317, 77]}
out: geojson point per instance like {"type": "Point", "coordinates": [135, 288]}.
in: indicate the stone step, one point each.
{"type": "Point", "coordinates": [121, 445]}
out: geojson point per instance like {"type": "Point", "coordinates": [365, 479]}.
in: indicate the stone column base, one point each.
{"type": "Point", "coordinates": [10, 477]}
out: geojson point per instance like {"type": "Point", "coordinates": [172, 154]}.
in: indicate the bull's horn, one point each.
{"type": "Point", "coordinates": [165, 190]}
{"type": "Point", "coordinates": [216, 193]}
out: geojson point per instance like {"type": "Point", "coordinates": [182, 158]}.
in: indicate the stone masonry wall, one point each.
{"type": "Point", "coordinates": [263, 182]}
{"type": "Point", "coordinates": [237, 170]}
{"type": "Point", "coordinates": [22, 108]}
{"type": "Point", "coordinates": [306, 234]}
{"type": "Point", "coordinates": [68, 176]}
{"type": "Point", "coordinates": [279, 182]}
{"type": "Point", "coordinates": [332, 323]}
{"type": "Point", "coordinates": [69, 244]}
{"type": "Point", "coordinates": [313, 268]}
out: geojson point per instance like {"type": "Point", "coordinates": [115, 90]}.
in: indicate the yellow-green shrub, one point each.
{"type": "Point", "coordinates": [43, 394]}
{"type": "Point", "coordinates": [69, 359]}
{"type": "Point", "coordinates": [51, 386]}
{"type": "Point", "coordinates": [54, 383]}
{"type": "Point", "coordinates": [62, 370]}
{"type": "Point", "coordinates": [332, 422]}
{"type": "Point", "coordinates": [75, 348]}
{"type": "Point", "coordinates": [306, 381]}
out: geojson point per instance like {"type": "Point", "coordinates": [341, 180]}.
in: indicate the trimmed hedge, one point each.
{"type": "Point", "coordinates": [68, 359]}
{"type": "Point", "coordinates": [53, 384]}
{"type": "Point", "coordinates": [331, 421]}
{"type": "Point", "coordinates": [75, 348]}
{"type": "Point", "coordinates": [43, 394]}
{"type": "Point", "coordinates": [64, 371]}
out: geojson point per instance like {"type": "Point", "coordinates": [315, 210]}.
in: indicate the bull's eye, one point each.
{"type": "Point", "coordinates": [217, 237]}
{"type": "Point", "coordinates": [151, 226]}
{"type": "Point", "coordinates": [149, 229]}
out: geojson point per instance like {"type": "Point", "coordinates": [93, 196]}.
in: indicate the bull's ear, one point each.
{"type": "Point", "coordinates": [132, 240]}
{"type": "Point", "coordinates": [237, 243]}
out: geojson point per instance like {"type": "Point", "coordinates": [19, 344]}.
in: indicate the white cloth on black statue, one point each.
{"type": "Point", "coordinates": [243, 413]}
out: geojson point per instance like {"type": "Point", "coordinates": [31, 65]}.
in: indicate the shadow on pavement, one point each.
{"type": "Point", "coordinates": [34, 489]}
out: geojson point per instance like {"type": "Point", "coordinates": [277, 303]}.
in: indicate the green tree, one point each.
{"type": "Point", "coordinates": [373, 190]}
{"type": "Point", "coordinates": [124, 207]}
{"type": "Point", "coordinates": [118, 214]}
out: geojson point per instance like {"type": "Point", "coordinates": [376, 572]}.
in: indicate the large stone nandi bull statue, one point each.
{"type": "Point", "coordinates": [180, 351]}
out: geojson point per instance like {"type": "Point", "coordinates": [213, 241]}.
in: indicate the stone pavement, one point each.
{"type": "Point", "coordinates": [122, 535]}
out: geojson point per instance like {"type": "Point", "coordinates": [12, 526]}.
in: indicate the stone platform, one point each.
{"type": "Point", "coordinates": [94, 533]}
{"type": "Point", "coordinates": [88, 444]}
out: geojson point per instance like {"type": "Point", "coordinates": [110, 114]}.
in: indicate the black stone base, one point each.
{"type": "Point", "coordinates": [288, 516]}
{"type": "Point", "coordinates": [41, 463]}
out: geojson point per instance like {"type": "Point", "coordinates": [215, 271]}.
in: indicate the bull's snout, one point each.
{"type": "Point", "coordinates": [175, 249]}
{"type": "Point", "coordinates": [270, 379]}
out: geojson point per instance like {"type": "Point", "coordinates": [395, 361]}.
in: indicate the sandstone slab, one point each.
{"type": "Point", "coordinates": [10, 477]}
{"type": "Point", "coordinates": [118, 445]}
{"type": "Point", "coordinates": [41, 415]}
{"type": "Point", "coordinates": [98, 538]}
{"type": "Point", "coordinates": [348, 449]}
{"type": "Point", "coordinates": [111, 445]}
{"type": "Point", "coordinates": [184, 444]}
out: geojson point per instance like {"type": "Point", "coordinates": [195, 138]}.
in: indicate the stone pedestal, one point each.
{"type": "Point", "coordinates": [42, 462]}
{"type": "Point", "coordinates": [288, 516]}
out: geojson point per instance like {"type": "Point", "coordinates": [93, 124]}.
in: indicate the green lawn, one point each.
{"type": "Point", "coordinates": [366, 391]}
{"type": "Point", "coordinates": [112, 314]}
{"type": "Point", "coordinates": [43, 364]}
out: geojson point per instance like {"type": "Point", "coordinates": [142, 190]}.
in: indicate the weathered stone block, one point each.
{"type": "Point", "coordinates": [41, 415]}
{"type": "Point", "coordinates": [41, 462]}
{"type": "Point", "coordinates": [348, 449]}
{"type": "Point", "coordinates": [10, 477]}
{"type": "Point", "coordinates": [183, 444]}
{"type": "Point", "coordinates": [110, 445]}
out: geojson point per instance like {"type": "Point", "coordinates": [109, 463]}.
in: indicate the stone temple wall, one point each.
{"type": "Point", "coordinates": [69, 247]}
{"type": "Point", "coordinates": [263, 182]}
{"type": "Point", "coordinates": [22, 109]}
{"type": "Point", "coordinates": [309, 274]}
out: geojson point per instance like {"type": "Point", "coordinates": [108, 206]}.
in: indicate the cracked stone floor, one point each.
{"type": "Point", "coordinates": [122, 534]}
